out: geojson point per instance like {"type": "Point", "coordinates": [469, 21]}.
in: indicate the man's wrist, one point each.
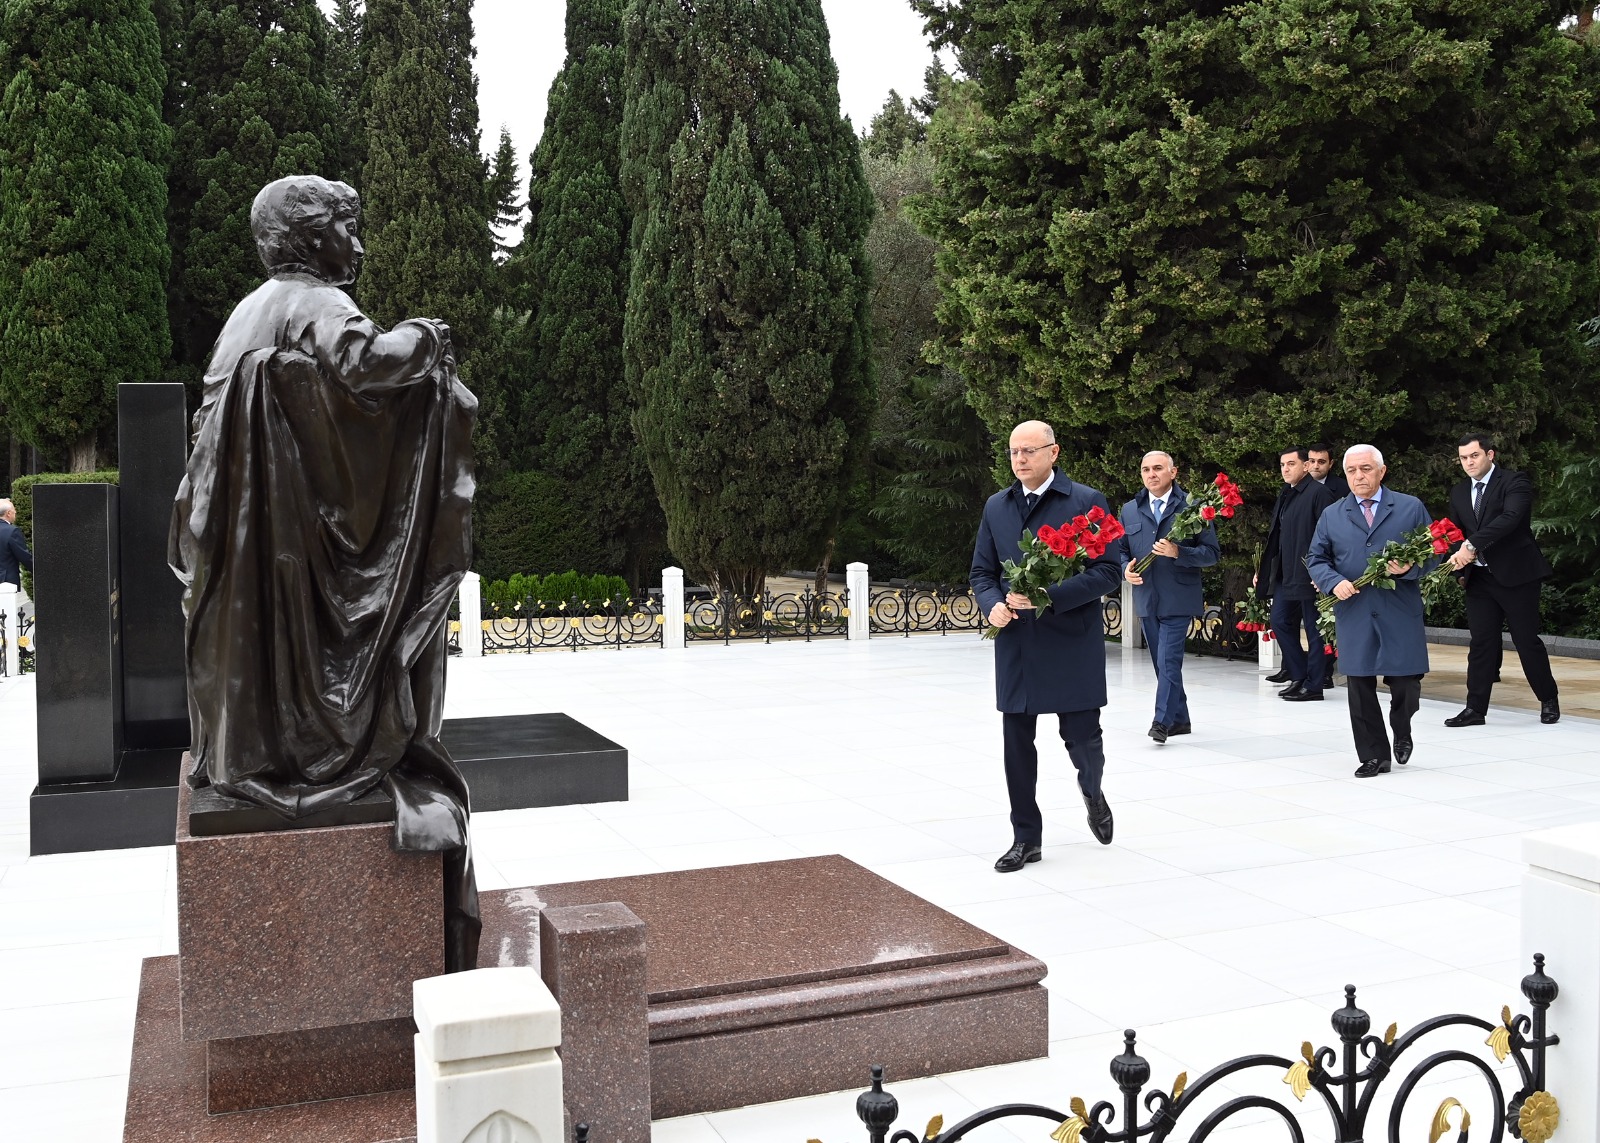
{"type": "Point", "coordinates": [1468, 546]}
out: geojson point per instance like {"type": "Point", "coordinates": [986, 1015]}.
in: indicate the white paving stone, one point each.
{"type": "Point", "coordinates": [1252, 877]}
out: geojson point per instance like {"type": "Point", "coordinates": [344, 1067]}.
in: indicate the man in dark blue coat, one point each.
{"type": "Point", "coordinates": [1283, 577]}
{"type": "Point", "coordinates": [1054, 663]}
{"type": "Point", "coordinates": [14, 553]}
{"type": "Point", "coordinates": [1380, 631]}
{"type": "Point", "coordinates": [1168, 595]}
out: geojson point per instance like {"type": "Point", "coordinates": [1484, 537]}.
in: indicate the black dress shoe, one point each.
{"type": "Point", "coordinates": [1292, 689]}
{"type": "Point", "coordinates": [1158, 731]}
{"type": "Point", "coordinates": [1402, 750]}
{"type": "Point", "coordinates": [1372, 767]}
{"type": "Point", "coordinates": [1279, 676]}
{"type": "Point", "coordinates": [1303, 696]}
{"type": "Point", "coordinates": [1100, 822]}
{"type": "Point", "coordinates": [1550, 712]}
{"type": "Point", "coordinates": [1179, 728]}
{"type": "Point", "coordinates": [1468, 717]}
{"type": "Point", "coordinates": [1013, 859]}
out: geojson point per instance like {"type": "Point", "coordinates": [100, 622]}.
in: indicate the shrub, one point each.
{"type": "Point", "coordinates": [544, 595]}
{"type": "Point", "coordinates": [531, 522]}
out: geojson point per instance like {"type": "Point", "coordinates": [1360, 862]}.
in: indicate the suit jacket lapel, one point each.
{"type": "Point", "coordinates": [1385, 506]}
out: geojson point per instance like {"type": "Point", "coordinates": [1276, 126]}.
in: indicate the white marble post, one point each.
{"type": "Point", "coordinates": [486, 1062]}
{"type": "Point", "coordinates": [11, 604]}
{"type": "Point", "coordinates": [471, 599]}
{"type": "Point", "coordinates": [672, 608]}
{"type": "Point", "coordinates": [1132, 634]}
{"type": "Point", "coordinates": [1268, 657]}
{"type": "Point", "coordinates": [1561, 919]}
{"type": "Point", "coordinates": [858, 598]}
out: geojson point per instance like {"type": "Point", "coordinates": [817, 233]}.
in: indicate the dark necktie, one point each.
{"type": "Point", "coordinates": [1366, 506]}
{"type": "Point", "coordinates": [1477, 498]}
{"type": "Point", "coordinates": [1029, 499]}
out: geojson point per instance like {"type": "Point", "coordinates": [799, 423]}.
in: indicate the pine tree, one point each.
{"type": "Point", "coordinates": [83, 240]}
{"type": "Point", "coordinates": [746, 335]}
{"type": "Point", "coordinates": [1216, 228]}
{"type": "Point", "coordinates": [892, 128]}
{"type": "Point", "coordinates": [424, 225]}
{"type": "Point", "coordinates": [346, 63]}
{"type": "Point", "coordinates": [254, 105]}
{"type": "Point", "coordinates": [575, 412]}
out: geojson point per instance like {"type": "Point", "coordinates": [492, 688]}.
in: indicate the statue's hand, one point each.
{"type": "Point", "coordinates": [447, 348]}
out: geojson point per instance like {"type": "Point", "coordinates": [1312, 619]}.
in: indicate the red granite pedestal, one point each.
{"type": "Point", "coordinates": [287, 1013]}
{"type": "Point", "coordinates": [788, 978]}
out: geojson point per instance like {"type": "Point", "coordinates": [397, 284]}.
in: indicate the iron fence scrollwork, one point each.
{"type": "Point", "coordinates": [538, 624]}
{"type": "Point", "coordinates": [915, 610]}
{"type": "Point", "coordinates": [726, 617]}
{"type": "Point", "coordinates": [25, 649]}
{"type": "Point", "coordinates": [1347, 1079]}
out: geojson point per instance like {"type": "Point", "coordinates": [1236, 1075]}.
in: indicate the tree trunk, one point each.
{"type": "Point", "coordinates": [1585, 18]}
{"type": "Point", "coordinates": [84, 455]}
{"type": "Point", "coordinates": [821, 585]}
{"type": "Point", "coordinates": [744, 583]}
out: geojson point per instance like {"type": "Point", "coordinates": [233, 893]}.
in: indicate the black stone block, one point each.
{"type": "Point", "coordinates": [153, 448]}
{"type": "Point", "coordinates": [77, 632]}
{"type": "Point", "coordinates": [136, 808]}
{"type": "Point", "coordinates": [519, 761]}
{"type": "Point", "coordinates": [212, 814]}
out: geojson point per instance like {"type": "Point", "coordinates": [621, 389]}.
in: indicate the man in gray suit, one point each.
{"type": "Point", "coordinates": [1380, 632]}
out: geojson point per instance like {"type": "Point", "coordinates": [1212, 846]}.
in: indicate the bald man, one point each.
{"type": "Point", "coordinates": [1054, 663]}
{"type": "Point", "coordinates": [1168, 595]}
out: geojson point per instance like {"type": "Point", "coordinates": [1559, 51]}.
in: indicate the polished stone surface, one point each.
{"type": "Point", "coordinates": [213, 814]}
{"type": "Point", "coordinates": [808, 1057]}
{"type": "Point", "coordinates": [152, 449]}
{"type": "Point", "coordinates": [514, 762]}
{"type": "Point", "coordinates": [300, 1067]}
{"type": "Point", "coordinates": [135, 808]}
{"type": "Point", "coordinates": [77, 594]}
{"type": "Point", "coordinates": [778, 923]}
{"type": "Point", "coordinates": [166, 1090]}
{"type": "Point", "coordinates": [593, 958]}
{"type": "Point", "coordinates": [305, 928]}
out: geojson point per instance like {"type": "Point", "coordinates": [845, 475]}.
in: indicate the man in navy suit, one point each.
{"type": "Point", "coordinates": [14, 553]}
{"type": "Point", "coordinates": [1168, 595]}
{"type": "Point", "coordinates": [1050, 663]}
{"type": "Point", "coordinates": [1380, 631]}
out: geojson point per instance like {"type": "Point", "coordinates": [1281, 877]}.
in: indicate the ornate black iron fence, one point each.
{"type": "Point", "coordinates": [1347, 1079]}
{"type": "Point", "coordinates": [24, 644]}
{"type": "Point", "coordinates": [805, 615]}
{"type": "Point", "coordinates": [1216, 632]}
{"type": "Point", "coordinates": [938, 609]}
{"type": "Point", "coordinates": [537, 624]}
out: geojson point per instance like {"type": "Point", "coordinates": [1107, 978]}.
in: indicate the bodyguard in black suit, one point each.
{"type": "Point", "coordinates": [1283, 576]}
{"type": "Point", "coordinates": [1054, 663]}
{"type": "Point", "coordinates": [1501, 566]}
{"type": "Point", "coordinates": [1319, 459]}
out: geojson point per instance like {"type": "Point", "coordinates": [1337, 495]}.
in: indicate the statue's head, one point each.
{"type": "Point", "coordinates": [306, 223]}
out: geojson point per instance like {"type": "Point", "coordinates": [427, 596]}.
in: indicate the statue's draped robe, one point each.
{"type": "Point", "coordinates": [321, 533]}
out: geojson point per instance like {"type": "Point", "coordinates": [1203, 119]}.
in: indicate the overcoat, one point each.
{"type": "Point", "coordinates": [1294, 520]}
{"type": "Point", "coordinates": [1171, 587]}
{"type": "Point", "coordinates": [1500, 529]}
{"type": "Point", "coordinates": [1056, 661]}
{"type": "Point", "coordinates": [1380, 631]}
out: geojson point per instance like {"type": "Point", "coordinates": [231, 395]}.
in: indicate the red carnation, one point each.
{"type": "Point", "coordinates": [1207, 513]}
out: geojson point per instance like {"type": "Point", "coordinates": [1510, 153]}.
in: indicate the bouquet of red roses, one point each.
{"type": "Point", "coordinates": [1219, 498]}
{"type": "Point", "coordinates": [1055, 555]}
{"type": "Point", "coordinates": [1256, 612]}
{"type": "Point", "coordinates": [1412, 548]}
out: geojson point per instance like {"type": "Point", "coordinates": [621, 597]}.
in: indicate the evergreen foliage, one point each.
{"type": "Point", "coordinates": [746, 333]}
{"type": "Point", "coordinates": [253, 104]}
{"type": "Point", "coordinates": [575, 413]}
{"type": "Point", "coordinates": [83, 240]}
{"type": "Point", "coordinates": [1213, 228]}
{"type": "Point", "coordinates": [424, 220]}
{"type": "Point", "coordinates": [346, 63]}
{"type": "Point", "coordinates": [892, 128]}
{"type": "Point", "coordinates": [532, 522]}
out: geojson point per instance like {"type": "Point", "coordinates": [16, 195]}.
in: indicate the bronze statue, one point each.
{"type": "Point", "coordinates": [321, 533]}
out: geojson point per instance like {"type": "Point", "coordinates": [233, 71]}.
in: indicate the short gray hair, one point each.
{"type": "Point", "coordinates": [6, 507]}
{"type": "Point", "coordinates": [1373, 449]}
{"type": "Point", "coordinates": [1158, 452]}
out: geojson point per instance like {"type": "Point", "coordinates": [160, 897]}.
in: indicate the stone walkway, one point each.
{"type": "Point", "coordinates": [1251, 879]}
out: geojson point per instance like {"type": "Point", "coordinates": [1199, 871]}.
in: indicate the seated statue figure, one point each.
{"type": "Point", "coordinates": [320, 534]}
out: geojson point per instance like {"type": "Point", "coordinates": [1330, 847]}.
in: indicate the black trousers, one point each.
{"type": "Point", "coordinates": [1080, 730]}
{"type": "Point", "coordinates": [1366, 716]}
{"type": "Point", "coordinates": [1489, 605]}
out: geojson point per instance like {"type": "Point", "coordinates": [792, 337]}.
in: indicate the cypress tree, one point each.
{"type": "Point", "coordinates": [1213, 228]}
{"type": "Point", "coordinates": [425, 225]}
{"type": "Point", "coordinates": [254, 105]}
{"type": "Point", "coordinates": [345, 66]}
{"type": "Point", "coordinates": [575, 411]}
{"type": "Point", "coordinates": [746, 334]}
{"type": "Point", "coordinates": [83, 239]}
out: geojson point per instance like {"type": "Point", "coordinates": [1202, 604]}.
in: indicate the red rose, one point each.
{"type": "Point", "coordinates": [1068, 549]}
{"type": "Point", "coordinates": [1113, 530]}
{"type": "Point", "coordinates": [1440, 547]}
{"type": "Point", "coordinates": [1096, 514]}
{"type": "Point", "coordinates": [1207, 512]}
{"type": "Point", "coordinates": [1227, 511]}
{"type": "Point", "coordinates": [1058, 543]}
{"type": "Point", "coordinates": [1328, 649]}
{"type": "Point", "coordinates": [1081, 523]}
{"type": "Point", "coordinates": [1046, 532]}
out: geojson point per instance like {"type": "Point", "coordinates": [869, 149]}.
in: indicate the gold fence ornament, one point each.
{"type": "Point", "coordinates": [1298, 1076]}
{"type": "Point", "coordinates": [1441, 1119]}
{"type": "Point", "coordinates": [935, 1125]}
{"type": "Point", "coordinates": [1539, 1117]}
